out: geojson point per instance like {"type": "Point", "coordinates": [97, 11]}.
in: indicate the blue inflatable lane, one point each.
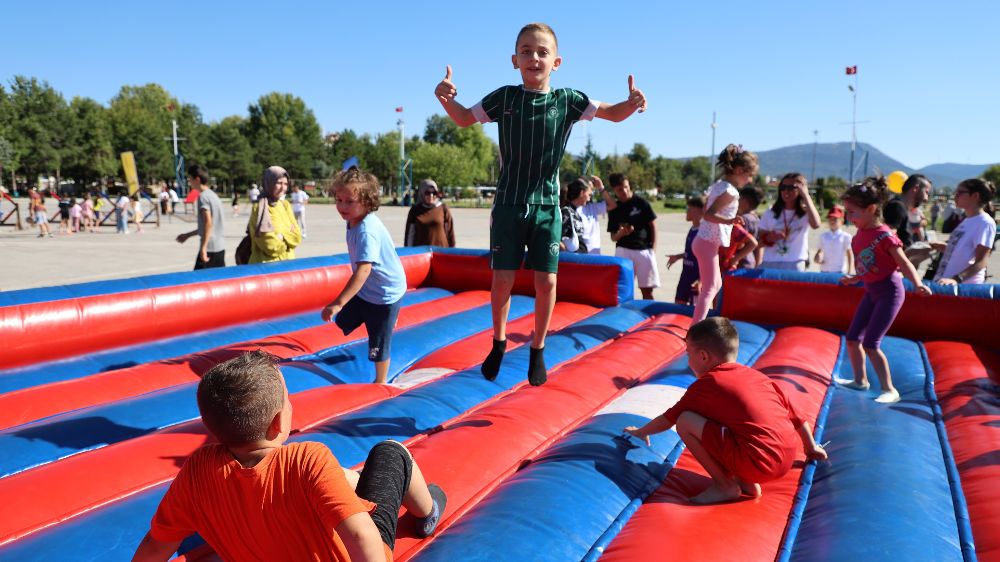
{"type": "Point", "coordinates": [349, 363]}
{"type": "Point", "coordinates": [69, 369]}
{"type": "Point", "coordinates": [849, 502]}
{"type": "Point", "coordinates": [572, 499]}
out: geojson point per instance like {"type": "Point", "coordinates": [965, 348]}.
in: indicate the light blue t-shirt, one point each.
{"type": "Point", "coordinates": [370, 242]}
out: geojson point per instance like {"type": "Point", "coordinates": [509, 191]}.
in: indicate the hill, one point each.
{"type": "Point", "coordinates": [833, 159]}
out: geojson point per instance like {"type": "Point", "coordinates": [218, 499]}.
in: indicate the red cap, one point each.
{"type": "Point", "coordinates": [837, 212]}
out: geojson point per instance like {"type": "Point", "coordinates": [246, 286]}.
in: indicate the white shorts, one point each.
{"type": "Point", "coordinates": [41, 217]}
{"type": "Point", "coordinates": [644, 263]}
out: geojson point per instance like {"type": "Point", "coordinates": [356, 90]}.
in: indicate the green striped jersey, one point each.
{"type": "Point", "coordinates": [534, 130]}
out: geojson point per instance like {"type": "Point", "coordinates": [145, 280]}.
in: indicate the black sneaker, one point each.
{"type": "Point", "coordinates": [427, 525]}
{"type": "Point", "coordinates": [536, 367]}
{"type": "Point", "coordinates": [491, 366]}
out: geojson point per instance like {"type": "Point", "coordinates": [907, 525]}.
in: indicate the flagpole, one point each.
{"type": "Point", "coordinates": [854, 125]}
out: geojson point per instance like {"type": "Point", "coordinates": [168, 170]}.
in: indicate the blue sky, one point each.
{"type": "Point", "coordinates": [774, 71]}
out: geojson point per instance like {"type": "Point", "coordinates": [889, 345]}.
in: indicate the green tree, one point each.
{"type": "Point", "coordinates": [479, 150]}
{"type": "Point", "coordinates": [90, 156]}
{"type": "Point", "coordinates": [992, 174]}
{"type": "Point", "coordinates": [440, 129]}
{"type": "Point", "coordinates": [38, 120]}
{"type": "Point", "coordinates": [284, 132]}
{"type": "Point", "coordinates": [339, 147]}
{"type": "Point", "coordinates": [140, 118]}
{"type": "Point", "coordinates": [229, 154]}
{"type": "Point", "coordinates": [695, 174]}
{"type": "Point", "coordinates": [639, 154]}
{"type": "Point", "coordinates": [447, 164]}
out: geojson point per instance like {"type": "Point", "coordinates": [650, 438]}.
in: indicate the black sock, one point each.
{"type": "Point", "coordinates": [536, 367]}
{"type": "Point", "coordinates": [491, 367]}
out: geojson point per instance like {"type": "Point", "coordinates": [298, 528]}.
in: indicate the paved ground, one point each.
{"type": "Point", "coordinates": [32, 262]}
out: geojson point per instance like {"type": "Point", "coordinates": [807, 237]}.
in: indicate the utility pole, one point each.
{"type": "Point", "coordinates": [402, 157]}
{"type": "Point", "coordinates": [711, 155]}
{"type": "Point", "coordinates": [178, 159]}
{"type": "Point", "coordinates": [815, 146]}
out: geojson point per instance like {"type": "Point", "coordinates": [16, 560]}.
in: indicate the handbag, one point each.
{"type": "Point", "coordinates": [243, 251]}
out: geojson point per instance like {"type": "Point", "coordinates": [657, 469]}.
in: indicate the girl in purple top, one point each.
{"type": "Point", "coordinates": [878, 257]}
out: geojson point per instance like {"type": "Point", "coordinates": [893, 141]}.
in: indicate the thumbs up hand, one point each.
{"type": "Point", "coordinates": [635, 95]}
{"type": "Point", "coordinates": [445, 90]}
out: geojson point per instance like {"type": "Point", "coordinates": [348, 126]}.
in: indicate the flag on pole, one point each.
{"type": "Point", "coordinates": [399, 109]}
{"type": "Point", "coordinates": [852, 70]}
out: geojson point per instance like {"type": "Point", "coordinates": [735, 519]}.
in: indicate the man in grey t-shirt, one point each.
{"type": "Point", "coordinates": [212, 251]}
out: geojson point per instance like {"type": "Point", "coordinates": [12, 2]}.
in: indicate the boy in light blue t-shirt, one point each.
{"type": "Point", "coordinates": [372, 294]}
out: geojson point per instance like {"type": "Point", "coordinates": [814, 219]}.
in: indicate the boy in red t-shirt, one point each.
{"type": "Point", "coordinates": [251, 498]}
{"type": "Point", "coordinates": [735, 421]}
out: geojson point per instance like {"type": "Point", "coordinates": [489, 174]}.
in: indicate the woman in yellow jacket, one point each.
{"type": "Point", "coordinates": [274, 233]}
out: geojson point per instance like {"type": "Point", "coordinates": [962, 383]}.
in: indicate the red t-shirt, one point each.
{"type": "Point", "coordinates": [736, 239]}
{"type": "Point", "coordinates": [871, 248]}
{"type": "Point", "coordinates": [285, 508]}
{"type": "Point", "coordinates": [750, 405]}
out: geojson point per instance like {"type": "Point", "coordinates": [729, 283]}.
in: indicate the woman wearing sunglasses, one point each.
{"type": "Point", "coordinates": [784, 228]}
{"type": "Point", "coordinates": [429, 222]}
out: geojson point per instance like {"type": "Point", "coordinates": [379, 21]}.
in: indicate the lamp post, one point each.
{"type": "Point", "coordinates": [711, 155]}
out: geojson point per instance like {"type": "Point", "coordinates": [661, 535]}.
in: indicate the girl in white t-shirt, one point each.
{"type": "Point", "coordinates": [784, 228]}
{"type": "Point", "coordinates": [738, 168]}
{"type": "Point", "coordinates": [968, 248]}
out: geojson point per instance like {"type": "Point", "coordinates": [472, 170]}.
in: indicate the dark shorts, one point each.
{"type": "Point", "coordinates": [514, 227]}
{"type": "Point", "coordinates": [215, 259]}
{"type": "Point", "coordinates": [384, 481]}
{"type": "Point", "coordinates": [689, 274]}
{"type": "Point", "coordinates": [379, 320]}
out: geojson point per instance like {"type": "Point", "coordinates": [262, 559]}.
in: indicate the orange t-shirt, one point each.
{"type": "Point", "coordinates": [285, 508]}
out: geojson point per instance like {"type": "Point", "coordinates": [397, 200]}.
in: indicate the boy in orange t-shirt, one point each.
{"type": "Point", "coordinates": [251, 498]}
{"type": "Point", "coordinates": [735, 420]}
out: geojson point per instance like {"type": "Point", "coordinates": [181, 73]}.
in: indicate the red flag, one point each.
{"type": "Point", "coordinates": [852, 69]}
{"type": "Point", "coordinates": [399, 109]}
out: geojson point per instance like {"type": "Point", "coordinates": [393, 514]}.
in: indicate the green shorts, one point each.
{"type": "Point", "coordinates": [513, 227]}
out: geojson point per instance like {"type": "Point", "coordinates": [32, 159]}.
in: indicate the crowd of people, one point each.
{"type": "Point", "coordinates": [735, 420]}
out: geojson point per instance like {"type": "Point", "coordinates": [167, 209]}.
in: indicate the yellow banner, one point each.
{"type": "Point", "coordinates": [131, 175]}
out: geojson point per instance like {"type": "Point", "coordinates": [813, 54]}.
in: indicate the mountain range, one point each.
{"type": "Point", "coordinates": [833, 159]}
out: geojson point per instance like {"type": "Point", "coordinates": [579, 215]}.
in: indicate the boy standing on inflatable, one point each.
{"type": "Point", "coordinates": [535, 122]}
{"type": "Point", "coordinates": [735, 420]}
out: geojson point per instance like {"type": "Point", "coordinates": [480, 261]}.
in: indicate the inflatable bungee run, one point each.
{"type": "Point", "coordinates": [98, 412]}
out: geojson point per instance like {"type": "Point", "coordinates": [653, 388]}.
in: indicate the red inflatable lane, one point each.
{"type": "Point", "coordinates": [667, 527]}
{"type": "Point", "coordinates": [37, 498]}
{"type": "Point", "coordinates": [101, 322]}
{"type": "Point", "coordinates": [965, 380]}
{"type": "Point", "coordinates": [495, 438]}
{"type": "Point", "coordinates": [518, 333]}
{"type": "Point", "coordinates": [832, 307]}
{"type": "Point", "coordinates": [34, 403]}
{"type": "Point", "coordinates": [595, 285]}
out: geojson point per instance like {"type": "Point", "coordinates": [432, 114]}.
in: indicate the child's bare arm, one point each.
{"type": "Point", "coordinates": [446, 92]}
{"type": "Point", "coordinates": [813, 450]}
{"type": "Point", "coordinates": [659, 424]}
{"type": "Point", "coordinates": [151, 550]}
{"type": "Point", "coordinates": [850, 261]}
{"type": "Point", "coordinates": [908, 270]}
{"type": "Point", "coordinates": [354, 285]}
{"type": "Point", "coordinates": [636, 100]}
{"type": "Point", "coordinates": [361, 538]}
{"type": "Point", "coordinates": [819, 256]}
{"type": "Point", "coordinates": [749, 245]}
